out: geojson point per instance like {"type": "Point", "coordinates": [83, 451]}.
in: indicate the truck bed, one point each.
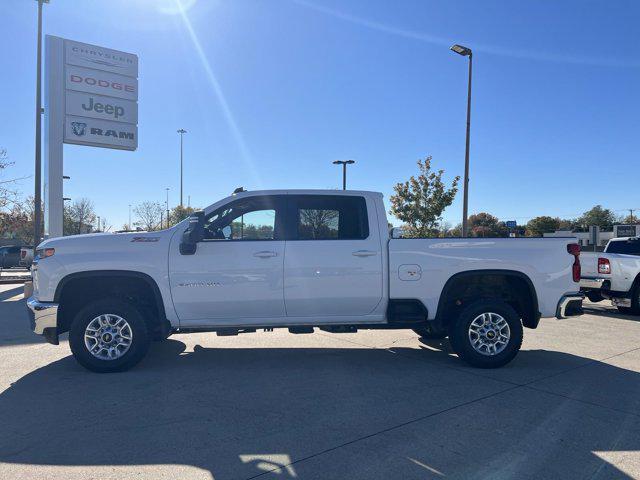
{"type": "Point", "coordinates": [420, 268]}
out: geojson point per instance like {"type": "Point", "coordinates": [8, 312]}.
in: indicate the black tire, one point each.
{"type": "Point", "coordinates": [461, 343]}
{"type": "Point", "coordinates": [424, 332]}
{"type": "Point", "coordinates": [115, 306]}
{"type": "Point", "coordinates": [594, 297]}
{"type": "Point", "coordinates": [635, 302]}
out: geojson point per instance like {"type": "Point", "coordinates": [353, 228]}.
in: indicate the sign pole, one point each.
{"type": "Point", "coordinates": [54, 136]}
{"type": "Point", "coordinates": [37, 194]}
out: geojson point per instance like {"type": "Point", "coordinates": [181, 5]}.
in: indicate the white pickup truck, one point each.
{"type": "Point", "coordinates": [614, 274]}
{"type": "Point", "coordinates": [297, 259]}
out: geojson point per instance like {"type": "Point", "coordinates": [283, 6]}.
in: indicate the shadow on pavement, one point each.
{"type": "Point", "coordinates": [238, 412]}
{"type": "Point", "coordinates": [14, 322]}
{"type": "Point", "coordinates": [608, 311]}
{"type": "Point", "coordinates": [12, 292]}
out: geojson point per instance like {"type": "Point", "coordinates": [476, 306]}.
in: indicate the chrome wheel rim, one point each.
{"type": "Point", "coordinates": [108, 337]}
{"type": "Point", "coordinates": [489, 333]}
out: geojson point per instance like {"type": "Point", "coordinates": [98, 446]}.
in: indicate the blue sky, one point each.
{"type": "Point", "coordinates": [272, 91]}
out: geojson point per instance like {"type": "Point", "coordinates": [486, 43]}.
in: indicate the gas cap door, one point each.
{"type": "Point", "coordinates": [409, 273]}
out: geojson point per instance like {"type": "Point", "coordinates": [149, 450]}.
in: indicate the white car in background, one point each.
{"type": "Point", "coordinates": [614, 274]}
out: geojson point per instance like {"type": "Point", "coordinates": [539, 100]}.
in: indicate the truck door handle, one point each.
{"type": "Point", "coordinates": [265, 254]}
{"type": "Point", "coordinates": [364, 253]}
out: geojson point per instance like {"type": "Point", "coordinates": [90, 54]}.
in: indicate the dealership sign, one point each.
{"type": "Point", "coordinates": [101, 85]}
{"type": "Point", "coordinates": [91, 98]}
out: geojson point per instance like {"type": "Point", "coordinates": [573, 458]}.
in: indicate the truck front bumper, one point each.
{"type": "Point", "coordinates": [570, 305]}
{"type": "Point", "coordinates": [43, 317]}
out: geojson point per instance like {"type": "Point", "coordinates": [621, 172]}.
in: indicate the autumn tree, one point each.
{"type": "Point", "coordinates": [544, 224]}
{"type": "Point", "coordinates": [486, 225]}
{"type": "Point", "coordinates": [420, 201]}
{"type": "Point", "coordinates": [17, 222]}
{"type": "Point", "coordinates": [149, 215]}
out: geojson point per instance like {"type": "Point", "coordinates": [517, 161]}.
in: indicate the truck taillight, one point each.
{"type": "Point", "coordinates": [604, 266]}
{"type": "Point", "coordinates": [23, 253]}
{"type": "Point", "coordinates": [574, 249]}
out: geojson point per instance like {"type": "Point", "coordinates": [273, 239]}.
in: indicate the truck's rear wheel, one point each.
{"type": "Point", "coordinates": [487, 334]}
{"type": "Point", "coordinates": [109, 335]}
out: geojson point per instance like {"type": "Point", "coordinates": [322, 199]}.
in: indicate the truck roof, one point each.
{"type": "Point", "coordinates": [307, 192]}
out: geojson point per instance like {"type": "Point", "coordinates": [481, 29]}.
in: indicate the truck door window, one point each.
{"type": "Point", "coordinates": [250, 219]}
{"type": "Point", "coordinates": [331, 217]}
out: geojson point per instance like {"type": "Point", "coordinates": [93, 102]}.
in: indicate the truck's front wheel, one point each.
{"type": "Point", "coordinates": [109, 335]}
{"type": "Point", "coordinates": [487, 334]}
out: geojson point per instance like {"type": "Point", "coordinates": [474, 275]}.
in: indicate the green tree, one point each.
{"type": "Point", "coordinates": [486, 225]}
{"type": "Point", "coordinates": [179, 213]}
{"type": "Point", "coordinates": [544, 224]}
{"type": "Point", "coordinates": [602, 217]}
{"type": "Point", "coordinates": [420, 201]}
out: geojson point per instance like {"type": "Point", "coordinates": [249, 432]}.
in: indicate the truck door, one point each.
{"type": "Point", "coordinates": [333, 258]}
{"type": "Point", "coordinates": [236, 274]}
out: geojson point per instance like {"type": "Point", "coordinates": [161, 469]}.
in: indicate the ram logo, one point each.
{"type": "Point", "coordinates": [79, 128]}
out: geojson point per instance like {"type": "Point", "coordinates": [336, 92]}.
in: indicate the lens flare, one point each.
{"type": "Point", "coordinates": [217, 89]}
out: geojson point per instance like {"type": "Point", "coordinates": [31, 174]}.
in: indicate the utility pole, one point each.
{"type": "Point", "coordinates": [182, 131]}
{"type": "Point", "coordinates": [344, 164]}
{"type": "Point", "coordinates": [37, 194]}
{"type": "Point", "coordinates": [466, 52]}
{"type": "Point", "coordinates": [631, 214]}
{"type": "Point", "coordinates": [167, 205]}
{"type": "Point", "coordinates": [130, 217]}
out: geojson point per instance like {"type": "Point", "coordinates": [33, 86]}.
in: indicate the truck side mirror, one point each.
{"type": "Point", "coordinates": [396, 232]}
{"type": "Point", "coordinates": [193, 234]}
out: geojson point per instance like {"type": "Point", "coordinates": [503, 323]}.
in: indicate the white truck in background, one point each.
{"type": "Point", "coordinates": [614, 274]}
{"type": "Point", "coordinates": [296, 259]}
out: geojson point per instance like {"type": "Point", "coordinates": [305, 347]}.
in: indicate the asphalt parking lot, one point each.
{"type": "Point", "coordinates": [371, 405]}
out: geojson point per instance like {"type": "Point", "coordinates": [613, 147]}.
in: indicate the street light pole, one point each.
{"type": "Point", "coordinates": [344, 164]}
{"type": "Point", "coordinates": [130, 217]}
{"type": "Point", "coordinates": [182, 131]}
{"type": "Point", "coordinates": [37, 194]}
{"type": "Point", "coordinates": [167, 204]}
{"type": "Point", "coordinates": [466, 52]}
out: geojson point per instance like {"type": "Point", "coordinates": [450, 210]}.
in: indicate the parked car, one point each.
{"type": "Point", "coordinates": [26, 257]}
{"type": "Point", "coordinates": [10, 256]}
{"type": "Point", "coordinates": [614, 274]}
{"type": "Point", "coordinates": [299, 259]}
